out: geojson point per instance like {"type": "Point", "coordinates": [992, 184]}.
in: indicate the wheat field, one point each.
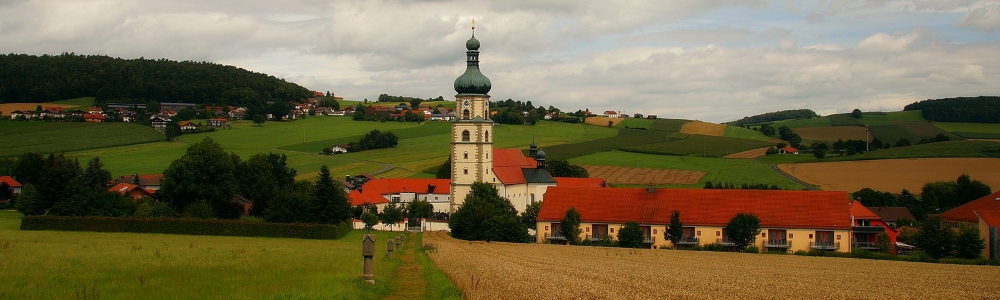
{"type": "Point", "coordinates": [535, 271]}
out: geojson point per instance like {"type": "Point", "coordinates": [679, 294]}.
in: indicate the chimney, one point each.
{"type": "Point", "coordinates": [651, 188]}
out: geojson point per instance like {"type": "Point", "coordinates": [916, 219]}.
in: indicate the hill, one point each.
{"type": "Point", "coordinates": [774, 116]}
{"type": "Point", "coordinates": [982, 109]}
{"type": "Point", "coordinates": [49, 137]}
{"type": "Point", "coordinates": [29, 78]}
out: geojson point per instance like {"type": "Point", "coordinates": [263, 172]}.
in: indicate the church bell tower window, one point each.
{"type": "Point", "coordinates": [465, 136]}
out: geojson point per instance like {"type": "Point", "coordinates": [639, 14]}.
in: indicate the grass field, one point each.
{"type": "Point", "coordinates": [906, 116]}
{"type": "Point", "coordinates": [81, 103]}
{"type": "Point", "coordinates": [49, 137]}
{"type": "Point", "coordinates": [537, 271]}
{"type": "Point", "coordinates": [737, 171]}
{"type": "Point", "coordinates": [844, 120]}
{"type": "Point", "coordinates": [744, 133]}
{"type": "Point", "coordinates": [637, 123]}
{"type": "Point", "coordinates": [926, 130]}
{"type": "Point", "coordinates": [673, 125]}
{"type": "Point", "coordinates": [831, 134]}
{"type": "Point", "coordinates": [91, 265]}
{"type": "Point", "coordinates": [698, 145]}
{"type": "Point", "coordinates": [964, 129]}
{"type": "Point", "coordinates": [894, 175]}
{"type": "Point", "coordinates": [636, 176]}
{"type": "Point", "coordinates": [810, 122]}
{"type": "Point", "coordinates": [625, 137]}
{"type": "Point", "coordinates": [940, 149]}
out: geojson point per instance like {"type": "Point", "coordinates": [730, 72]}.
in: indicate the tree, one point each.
{"type": "Point", "coordinates": [883, 243]}
{"type": "Point", "coordinates": [29, 203]}
{"type": "Point", "coordinates": [903, 142]}
{"type": "Point", "coordinates": [570, 226]}
{"type": "Point", "coordinates": [935, 238]}
{"type": "Point", "coordinates": [675, 231]}
{"type": "Point", "coordinates": [391, 215]}
{"type": "Point", "coordinates": [5, 192]}
{"type": "Point", "coordinates": [968, 189]}
{"type": "Point", "coordinates": [562, 168]}
{"type": "Point", "coordinates": [819, 153]}
{"type": "Point", "coordinates": [290, 205]}
{"type": "Point", "coordinates": [968, 245]}
{"type": "Point", "coordinates": [630, 235]}
{"type": "Point", "coordinates": [872, 198]}
{"type": "Point", "coordinates": [261, 177]}
{"type": "Point", "coordinates": [856, 113]}
{"type": "Point", "coordinates": [486, 216]}
{"type": "Point", "coordinates": [419, 209]}
{"type": "Point", "coordinates": [370, 219]}
{"type": "Point", "coordinates": [259, 120]}
{"type": "Point", "coordinates": [184, 181]}
{"type": "Point", "coordinates": [331, 205]}
{"type": "Point", "coordinates": [95, 177]}
{"type": "Point", "coordinates": [767, 130]}
{"type": "Point", "coordinates": [530, 215]}
{"type": "Point", "coordinates": [444, 171]}
{"type": "Point", "coordinates": [743, 229]}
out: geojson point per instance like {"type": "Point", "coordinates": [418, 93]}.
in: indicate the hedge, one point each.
{"type": "Point", "coordinates": [187, 226]}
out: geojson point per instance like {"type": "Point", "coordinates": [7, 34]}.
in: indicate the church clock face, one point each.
{"type": "Point", "coordinates": [466, 103]}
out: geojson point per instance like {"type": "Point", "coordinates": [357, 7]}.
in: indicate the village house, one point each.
{"type": "Point", "coordinates": [788, 150]}
{"type": "Point", "coordinates": [218, 122]}
{"type": "Point", "coordinates": [342, 148]}
{"type": "Point", "coordinates": [149, 182]}
{"type": "Point", "coordinates": [13, 185]}
{"type": "Point", "coordinates": [94, 118]}
{"type": "Point", "coordinates": [982, 214]}
{"type": "Point", "coordinates": [867, 227]}
{"type": "Point", "coordinates": [381, 192]}
{"type": "Point", "coordinates": [893, 214]}
{"type": "Point", "coordinates": [187, 126]}
{"type": "Point", "coordinates": [159, 122]}
{"type": "Point", "coordinates": [134, 192]}
{"type": "Point", "coordinates": [611, 114]}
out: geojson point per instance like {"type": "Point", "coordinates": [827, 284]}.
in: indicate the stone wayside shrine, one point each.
{"type": "Point", "coordinates": [368, 251]}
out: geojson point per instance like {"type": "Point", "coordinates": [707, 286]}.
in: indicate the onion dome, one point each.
{"type": "Point", "coordinates": [472, 81]}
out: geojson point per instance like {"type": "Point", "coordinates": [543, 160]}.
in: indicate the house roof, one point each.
{"type": "Point", "coordinates": [892, 214]}
{"type": "Point", "coordinates": [859, 211]}
{"type": "Point", "coordinates": [790, 149]}
{"type": "Point", "coordinates": [536, 175]}
{"type": "Point", "coordinates": [185, 123]}
{"type": "Point", "coordinates": [10, 181]}
{"type": "Point", "coordinates": [776, 209]}
{"type": "Point", "coordinates": [124, 188]}
{"type": "Point", "coordinates": [144, 179]}
{"type": "Point", "coordinates": [990, 217]}
{"type": "Point", "coordinates": [507, 165]}
{"type": "Point", "coordinates": [93, 116]}
{"type": "Point", "coordinates": [373, 190]}
{"type": "Point", "coordinates": [580, 182]}
{"type": "Point", "coordinates": [610, 112]}
{"type": "Point", "coordinates": [965, 212]}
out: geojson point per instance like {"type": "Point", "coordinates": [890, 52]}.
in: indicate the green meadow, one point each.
{"type": "Point", "coordinates": [744, 133]}
{"type": "Point", "coordinates": [95, 265]}
{"type": "Point", "coordinates": [47, 137]}
{"type": "Point", "coordinates": [737, 171]}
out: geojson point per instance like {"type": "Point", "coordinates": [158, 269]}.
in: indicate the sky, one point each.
{"type": "Point", "coordinates": [710, 60]}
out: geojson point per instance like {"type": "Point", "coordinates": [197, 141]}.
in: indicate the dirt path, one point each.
{"type": "Point", "coordinates": [409, 278]}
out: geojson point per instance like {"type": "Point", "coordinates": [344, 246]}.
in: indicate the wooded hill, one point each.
{"type": "Point", "coordinates": [982, 109]}
{"type": "Point", "coordinates": [774, 116]}
{"type": "Point", "coordinates": [30, 78]}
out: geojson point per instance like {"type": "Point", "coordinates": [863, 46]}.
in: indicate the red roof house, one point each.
{"type": "Point", "coordinates": [967, 212]}
{"type": "Point", "coordinates": [133, 191]}
{"type": "Point", "coordinates": [384, 191]}
{"type": "Point", "coordinates": [15, 187]}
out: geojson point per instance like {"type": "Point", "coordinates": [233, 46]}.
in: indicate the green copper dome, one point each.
{"type": "Point", "coordinates": [472, 81]}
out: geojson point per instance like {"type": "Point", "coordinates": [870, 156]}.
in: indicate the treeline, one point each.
{"type": "Point", "coordinates": [982, 109]}
{"type": "Point", "coordinates": [774, 116]}
{"type": "Point", "coordinates": [375, 139]}
{"type": "Point", "coordinates": [391, 98]}
{"type": "Point", "coordinates": [30, 78]}
{"type": "Point", "coordinates": [935, 197]}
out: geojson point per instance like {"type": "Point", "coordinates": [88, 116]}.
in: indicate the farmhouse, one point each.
{"type": "Point", "coordinates": [791, 220]}
{"type": "Point", "coordinates": [159, 122]}
{"type": "Point", "coordinates": [13, 185]}
{"type": "Point", "coordinates": [380, 192]}
{"type": "Point", "coordinates": [218, 122]}
{"type": "Point", "coordinates": [983, 214]}
{"type": "Point", "coordinates": [188, 125]}
{"type": "Point", "coordinates": [893, 214]}
{"type": "Point", "coordinates": [788, 150]}
{"type": "Point", "coordinates": [95, 118]}
{"type": "Point", "coordinates": [149, 182]}
{"type": "Point", "coordinates": [134, 192]}
{"type": "Point", "coordinates": [610, 114]}
{"type": "Point", "coordinates": [340, 148]}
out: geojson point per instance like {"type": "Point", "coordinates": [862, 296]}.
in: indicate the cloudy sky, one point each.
{"type": "Point", "coordinates": [713, 60]}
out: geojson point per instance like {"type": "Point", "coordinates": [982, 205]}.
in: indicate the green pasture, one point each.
{"type": "Point", "coordinates": [978, 135]}
{"type": "Point", "coordinates": [926, 130]}
{"type": "Point", "coordinates": [744, 133]}
{"type": "Point", "coordinates": [637, 123]}
{"type": "Point", "coordinates": [939, 149]}
{"type": "Point", "coordinates": [668, 124]}
{"type": "Point", "coordinates": [10, 124]}
{"type": "Point", "coordinates": [697, 145]}
{"type": "Point", "coordinates": [844, 120]}
{"type": "Point", "coordinates": [906, 116]}
{"type": "Point", "coordinates": [625, 138]}
{"type": "Point", "coordinates": [50, 137]}
{"type": "Point", "coordinates": [809, 122]}
{"type": "Point", "coordinates": [737, 171]}
{"type": "Point", "coordinates": [970, 128]}
{"type": "Point", "coordinates": [93, 265]}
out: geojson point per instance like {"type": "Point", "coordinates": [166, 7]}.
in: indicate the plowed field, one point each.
{"type": "Point", "coordinates": [753, 153]}
{"type": "Point", "coordinates": [536, 271]}
{"type": "Point", "coordinates": [697, 127]}
{"type": "Point", "coordinates": [893, 175]}
{"type": "Point", "coordinates": [603, 121]}
{"type": "Point", "coordinates": [627, 175]}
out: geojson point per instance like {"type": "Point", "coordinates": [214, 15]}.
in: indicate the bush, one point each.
{"type": "Point", "coordinates": [715, 247]}
{"type": "Point", "coordinates": [752, 249]}
{"type": "Point", "coordinates": [200, 210]}
{"type": "Point", "coordinates": [801, 253]}
{"type": "Point", "coordinates": [186, 226]}
{"type": "Point", "coordinates": [155, 209]}
{"type": "Point", "coordinates": [630, 235]}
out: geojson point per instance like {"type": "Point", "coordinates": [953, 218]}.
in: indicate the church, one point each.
{"type": "Point", "coordinates": [521, 179]}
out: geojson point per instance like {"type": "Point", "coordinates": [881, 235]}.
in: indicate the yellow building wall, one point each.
{"type": "Point", "coordinates": [984, 233]}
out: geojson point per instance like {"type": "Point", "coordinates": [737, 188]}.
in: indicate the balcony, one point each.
{"type": "Point", "coordinates": [868, 229]}
{"type": "Point", "coordinates": [726, 242]}
{"type": "Point", "coordinates": [598, 237]}
{"type": "Point", "coordinates": [557, 236]}
{"type": "Point", "coordinates": [864, 245]}
{"type": "Point", "coordinates": [824, 245]}
{"type": "Point", "coordinates": [777, 244]}
{"type": "Point", "coordinates": [648, 239]}
{"type": "Point", "coordinates": [690, 240]}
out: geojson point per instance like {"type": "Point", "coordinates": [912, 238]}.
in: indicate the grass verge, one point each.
{"type": "Point", "coordinates": [439, 286]}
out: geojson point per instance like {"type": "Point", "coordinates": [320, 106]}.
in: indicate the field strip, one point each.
{"type": "Point", "coordinates": [603, 121]}
{"type": "Point", "coordinates": [893, 175]}
{"type": "Point", "coordinates": [536, 271]}
{"type": "Point", "coordinates": [629, 175]}
{"type": "Point", "coordinates": [752, 153]}
{"type": "Point", "coordinates": [703, 128]}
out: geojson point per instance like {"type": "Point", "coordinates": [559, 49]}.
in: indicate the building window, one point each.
{"type": "Point", "coordinates": [465, 114]}
{"type": "Point", "coordinates": [532, 197]}
{"type": "Point", "coordinates": [487, 136]}
{"type": "Point", "coordinates": [465, 136]}
{"type": "Point", "coordinates": [790, 235]}
{"type": "Point", "coordinates": [699, 232]}
{"type": "Point", "coordinates": [465, 155]}
{"type": "Point", "coordinates": [465, 171]}
{"type": "Point", "coordinates": [864, 222]}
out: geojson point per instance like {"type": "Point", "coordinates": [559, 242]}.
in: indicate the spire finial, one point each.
{"type": "Point", "coordinates": [473, 24]}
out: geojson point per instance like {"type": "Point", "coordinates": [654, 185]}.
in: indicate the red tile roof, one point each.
{"type": "Point", "coordinates": [859, 211]}
{"type": "Point", "coordinates": [10, 181]}
{"type": "Point", "coordinates": [373, 190]}
{"type": "Point", "coordinates": [124, 188]}
{"type": "Point", "coordinates": [580, 182]}
{"type": "Point", "coordinates": [93, 116]}
{"type": "Point", "coordinates": [507, 165]}
{"type": "Point", "coordinates": [966, 213]}
{"type": "Point", "coordinates": [990, 217]}
{"type": "Point", "coordinates": [776, 209]}
{"type": "Point", "coordinates": [790, 150]}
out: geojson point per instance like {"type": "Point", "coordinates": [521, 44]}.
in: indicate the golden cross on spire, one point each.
{"type": "Point", "coordinates": [473, 24]}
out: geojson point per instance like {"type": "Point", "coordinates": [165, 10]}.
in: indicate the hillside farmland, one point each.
{"type": "Point", "coordinates": [535, 271]}
{"type": "Point", "coordinates": [893, 175]}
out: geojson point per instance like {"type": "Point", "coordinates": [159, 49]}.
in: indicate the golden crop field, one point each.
{"type": "Point", "coordinates": [629, 175]}
{"type": "Point", "coordinates": [698, 127]}
{"type": "Point", "coordinates": [752, 153]}
{"type": "Point", "coordinates": [535, 271]}
{"type": "Point", "coordinates": [603, 121]}
{"type": "Point", "coordinates": [6, 108]}
{"type": "Point", "coordinates": [894, 175]}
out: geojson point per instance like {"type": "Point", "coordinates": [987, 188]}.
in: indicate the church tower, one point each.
{"type": "Point", "coordinates": [471, 139]}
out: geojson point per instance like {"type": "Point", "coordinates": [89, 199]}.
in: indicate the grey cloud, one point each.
{"type": "Point", "coordinates": [985, 18]}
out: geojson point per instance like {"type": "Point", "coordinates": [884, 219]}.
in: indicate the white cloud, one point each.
{"type": "Point", "coordinates": [985, 17]}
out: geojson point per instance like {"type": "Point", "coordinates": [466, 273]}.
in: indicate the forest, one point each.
{"type": "Point", "coordinates": [982, 109]}
{"type": "Point", "coordinates": [30, 78]}
{"type": "Point", "coordinates": [774, 116]}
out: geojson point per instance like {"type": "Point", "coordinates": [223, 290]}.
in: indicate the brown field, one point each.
{"type": "Point", "coordinates": [831, 134]}
{"type": "Point", "coordinates": [699, 127]}
{"type": "Point", "coordinates": [894, 175]}
{"type": "Point", "coordinates": [6, 108]}
{"type": "Point", "coordinates": [536, 271]}
{"type": "Point", "coordinates": [627, 175]}
{"type": "Point", "coordinates": [752, 153]}
{"type": "Point", "coordinates": [603, 121]}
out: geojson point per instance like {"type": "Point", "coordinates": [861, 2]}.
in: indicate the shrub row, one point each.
{"type": "Point", "coordinates": [187, 226]}
{"type": "Point", "coordinates": [915, 256]}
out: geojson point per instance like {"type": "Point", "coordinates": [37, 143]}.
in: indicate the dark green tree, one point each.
{"type": "Point", "coordinates": [819, 153]}
{"type": "Point", "coordinates": [935, 238]}
{"type": "Point", "coordinates": [259, 120]}
{"type": "Point", "coordinates": [291, 204]}
{"type": "Point", "coordinates": [530, 215]}
{"type": "Point", "coordinates": [856, 113]}
{"type": "Point", "coordinates": [444, 171]}
{"type": "Point", "coordinates": [5, 192]}
{"type": "Point", "coordinates": [485, 215]}
{"type": "Point", "coordinates": [331, 204]}
{"type": "Point", "coordinates": [570, 226]}
{"type": "Point", "coordinates": [391, 215]}
{"type": "Point", "coordinates": [562, 168]}
{"type": "Point", "coordinates": [261, 177]}
{"type": "Point", "coordinates": [370, 219]}
{"type": "Point", "coordinates": [883, 243]}
{"type": "Point", "coordinates": [630, 235]}
{"type": "Point", "coordinates": [29, 203]}
{"type": "Point", "coordinates": [28, 168]}
{"type": "Point", "coordinates": [873, 198]}
{"type": "Point", "coordinates": [95, 177]}
{"type": "Point", "coordinates": [743, 229]}
{"type": "Point", "coordinates": [675, 231]}
{"type": "Point", "coordinates": [419, 209]}
{"type": "Point", "coordinates": [968, 245]}
{"type": "Point", "coordinates": [184, 181]}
